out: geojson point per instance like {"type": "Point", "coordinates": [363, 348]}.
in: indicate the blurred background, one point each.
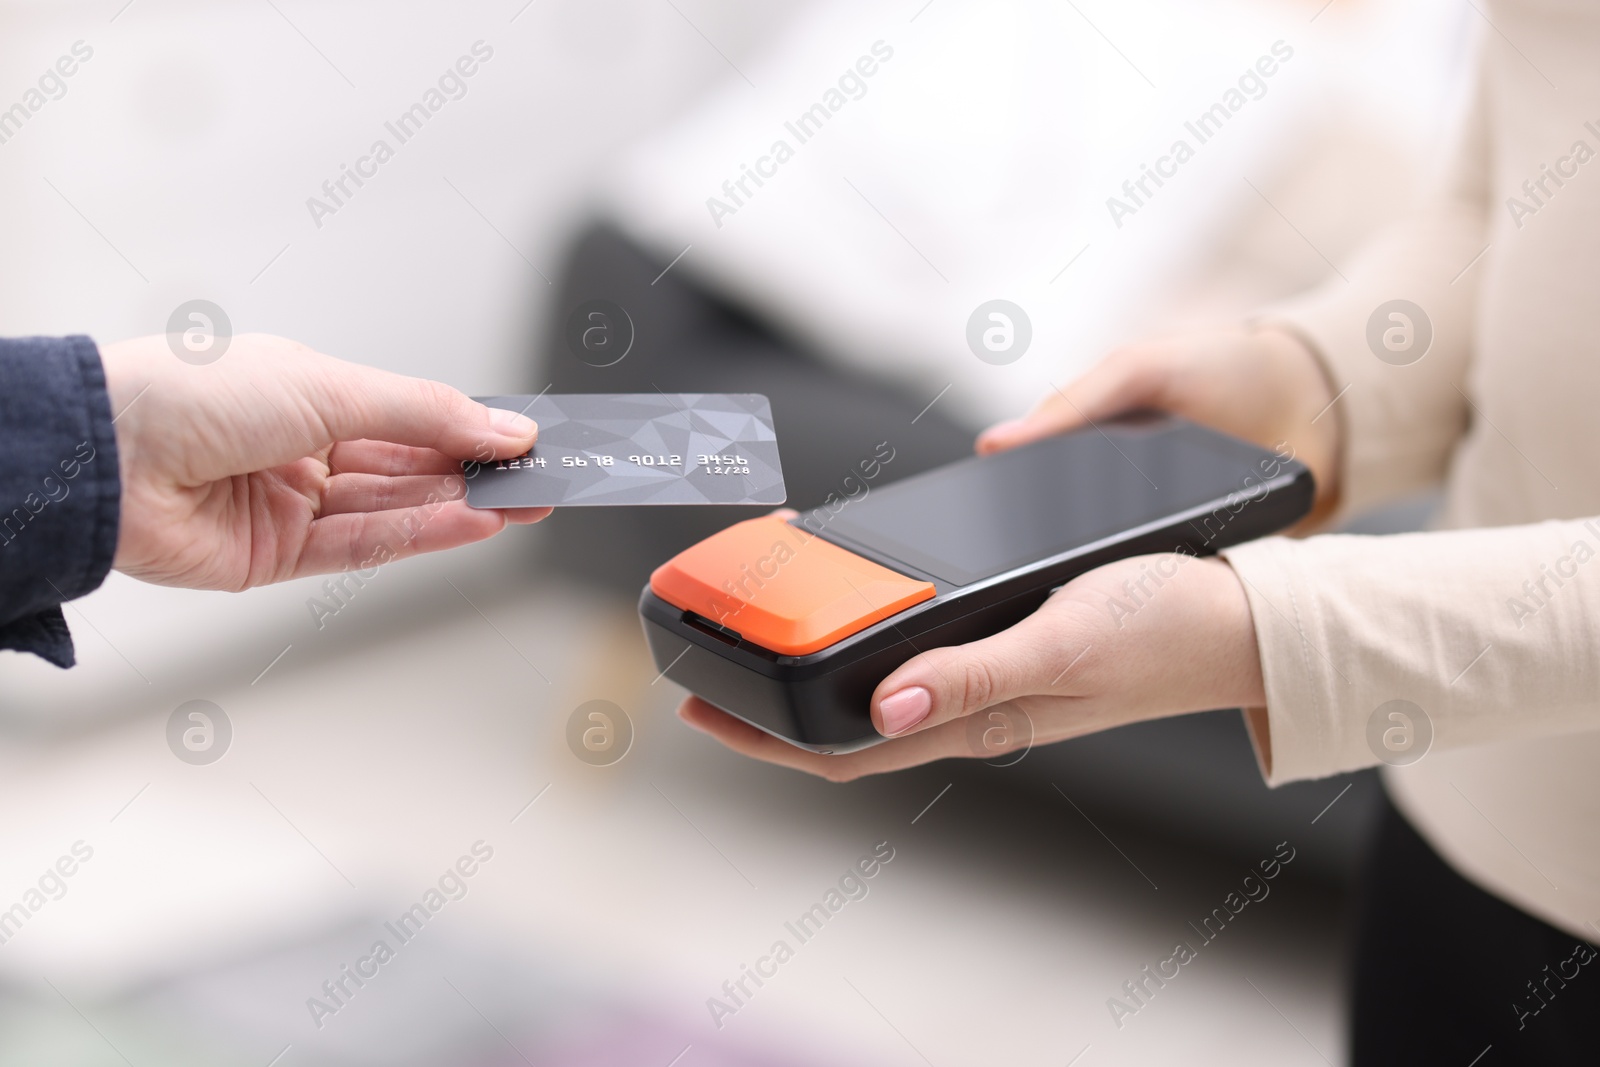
{"type": "Point", "coordinates": [427, 720]}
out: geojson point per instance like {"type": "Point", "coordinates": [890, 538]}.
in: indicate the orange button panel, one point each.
{"type": "Point", "coordinates": [783, 588]}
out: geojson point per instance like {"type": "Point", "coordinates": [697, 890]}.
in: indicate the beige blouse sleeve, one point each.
{"type": "Point", "coordinates": [1401, 382]}
{"type": "Point", "coordinates": [1493, 633]}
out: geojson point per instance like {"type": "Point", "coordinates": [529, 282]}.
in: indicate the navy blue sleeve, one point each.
{"type": "Point", "coordinates": [60, 491]}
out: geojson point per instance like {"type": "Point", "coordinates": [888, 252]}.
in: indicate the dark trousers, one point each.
{"type": "Point", "coordinates": [1444, 970]}
{"type": "Point", "coordinates": [829, 420]}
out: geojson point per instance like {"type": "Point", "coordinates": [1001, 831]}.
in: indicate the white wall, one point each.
{"type": "Point", "coordinates": [193, 137]}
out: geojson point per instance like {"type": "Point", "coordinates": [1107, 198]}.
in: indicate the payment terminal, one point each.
{"type": "Point", "coordinates": [790, 624]}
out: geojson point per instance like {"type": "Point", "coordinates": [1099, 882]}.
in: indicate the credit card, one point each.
{"type": "Point", "coordinates": [628, 449]}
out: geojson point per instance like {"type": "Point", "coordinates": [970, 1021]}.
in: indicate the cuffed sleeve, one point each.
{"type": "Point", "coordinates": [1403, 409]}
{"type": "Point", "coordinates": [60, 489]}
{"type": "Point", "coordinates": [1493, 633]}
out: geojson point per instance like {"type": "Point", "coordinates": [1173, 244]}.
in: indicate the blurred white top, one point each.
{"type": "Point", "coordinates": [976, 163]}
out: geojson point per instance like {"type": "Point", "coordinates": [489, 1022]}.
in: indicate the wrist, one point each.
{"type": "Point", "coordinates": [1204, 648]}
{"type": "Point", "coordinates": [1311, 425]}
{"type": "Point", "coordinates": [126, 383]}
{"type": "Point", "coordinates": [130, 376]}
{"type": "Point", "coordinates": [1186, 643]}
{"type": "Point", "coordinates": [1227, 668]}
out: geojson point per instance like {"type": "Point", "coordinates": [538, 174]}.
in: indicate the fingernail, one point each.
{"type": "Point", "coordinates": [511, 423]}
{"type": "Point", "coordinates": [903, 710]}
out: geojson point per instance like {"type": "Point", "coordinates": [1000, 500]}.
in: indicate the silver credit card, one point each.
{"type": "Point", "coordinates": [600, 449]}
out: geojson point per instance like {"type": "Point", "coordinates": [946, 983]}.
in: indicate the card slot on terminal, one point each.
{"type": "Point", "coordinates": [711, 629]}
